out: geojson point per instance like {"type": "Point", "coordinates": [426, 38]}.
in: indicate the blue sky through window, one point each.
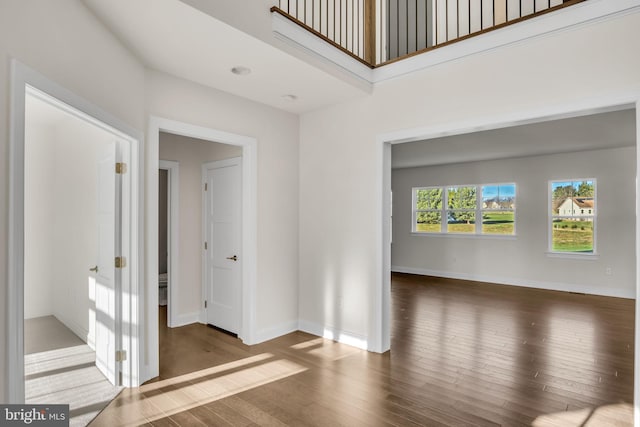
{"type": "Point", "coordinates": [501, 191]}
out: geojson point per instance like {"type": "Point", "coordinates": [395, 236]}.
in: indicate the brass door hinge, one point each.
{"type": "Point", "coordinates": [121, 355]}
{"type": "Point", "coordinates": [205, 304]}
{"type": "Point", "coordinates": [121, 168]}
{"type": "Point", "coordinates": [121, 262]}
{"type": "Point", "coordinates": [206, 186]}
{"type": "Point", "coordinates": [205, 246]}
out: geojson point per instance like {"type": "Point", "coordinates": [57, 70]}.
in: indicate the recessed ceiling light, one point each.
{"type": "Point", "coordinates": [289, 98]}
{"type": "Point", "coordinates": [240, 70]}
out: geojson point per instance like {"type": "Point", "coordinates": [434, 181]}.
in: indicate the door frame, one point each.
{"type": "Point", "coordinates": [23, 80]}
{"type": "Point", "coordinates": [379, 330]}
{"type": "Point", "coordinates": [173, 235]}
{"type": "Point", "coordinates": [234, 161]}
{"type": "Point", "coordinates": [149, 364]}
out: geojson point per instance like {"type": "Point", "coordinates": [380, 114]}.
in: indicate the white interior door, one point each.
{"type": "Point", "coordinates": [106, 276]}
{"type": "Point", "coordinates": [223, 216]}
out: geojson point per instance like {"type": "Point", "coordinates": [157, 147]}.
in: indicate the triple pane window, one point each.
{"type": "Point", "coordinates": [457, 209]}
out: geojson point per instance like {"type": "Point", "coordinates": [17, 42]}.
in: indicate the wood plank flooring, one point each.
{"type": "Point", "coordinates": [463, 354]}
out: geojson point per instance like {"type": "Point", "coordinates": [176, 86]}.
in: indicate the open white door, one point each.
{"type": "Point", "coordinates": [106, 275]}
{"type": "Point", "coordinates": [222, 223]}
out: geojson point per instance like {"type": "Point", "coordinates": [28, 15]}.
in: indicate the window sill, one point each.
{"type": "Point", "coordinates": [466, 236]}
{"type": "Point", "coordinates": [574, 255]}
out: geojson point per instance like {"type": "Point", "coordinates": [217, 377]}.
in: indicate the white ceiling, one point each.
{"type": "Point", "coordinates": [173, 37]}
{"type": "Point", "coordinates": [598, 131]}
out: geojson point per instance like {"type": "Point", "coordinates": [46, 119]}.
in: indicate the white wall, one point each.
{"type": "Point", "coordinates": [61, 228]}
{"type": "Point", "coordinates": [74, 244]}
{"type": "Point", "coordinates": [277, 135]}
{"type": "Point", "coordinates": [524, 261]}
{"type": "Point", "coordinates": [191, 154]}
{"type": "Point", "coordinates": [340, 159]}
{"type": "Point", "coordinates": [39, 187]}
{"type": "Point", "coordinates": [66, 43]}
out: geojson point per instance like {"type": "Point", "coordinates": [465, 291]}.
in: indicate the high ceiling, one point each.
{"type": "Point", "coordinates": [175, 38]}
{"type": "Point", "coordinates": [592, 132]}
{"type": "Point", "coordinates": [202, 40]}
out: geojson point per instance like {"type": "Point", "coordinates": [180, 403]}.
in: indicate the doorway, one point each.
{"type": "Point", "coordinates": [381, 322]}
{"type": "Point", "coordinates": [186, 152]}
{"type": "Point", "coordinates": [168, 238]}
{"type": "Point", "coordinates": [70, 227]}
{"type": "Point", "coordinates": [71, 302]}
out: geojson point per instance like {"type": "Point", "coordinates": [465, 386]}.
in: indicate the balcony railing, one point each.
{"type": "Point", "coordinates": [378, 32]}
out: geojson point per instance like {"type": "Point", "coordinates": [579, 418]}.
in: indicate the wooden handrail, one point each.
{"type": "Point", "coordinates": [276, 9]}
{"type": "Point", "coordinates": [352, 29]}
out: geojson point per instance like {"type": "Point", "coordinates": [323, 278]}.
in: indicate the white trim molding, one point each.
{"type": "Point", "coordinates": [249, 231]}
{"type": "Point", "coordinates": [511, 281]}
{"type": "Point", "coordinates": [26, 80]}
{"type": "Point", "coordinates": [173, 235]}
{"type": "Point", "coordinates": [267, 334]}
{"type": "Point", "coordinates": [186, 319]}
{"type": "Point", "coordinates": [334, 334]}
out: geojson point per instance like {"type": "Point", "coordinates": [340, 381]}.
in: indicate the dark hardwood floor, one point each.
{"type": "Point", "coordinates": [463, 354]}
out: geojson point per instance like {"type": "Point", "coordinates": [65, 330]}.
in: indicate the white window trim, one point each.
{"type": "Point", "coordinates": [571, 255]}
{"type": "Point", "coordinates": [444, 210]}
{"type": "Point", "coordinates": [415, 211]}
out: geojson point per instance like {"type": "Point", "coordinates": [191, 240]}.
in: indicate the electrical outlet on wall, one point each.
{"type": "Point", "coordinates": [608, 271]}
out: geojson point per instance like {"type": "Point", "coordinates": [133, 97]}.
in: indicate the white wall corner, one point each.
{"type": "Point", "coordinates": [270, 333]}
{"type": "Point", "coordinates": [78, 330]}
{"type": "Point", "coordinates": [186, 319]}
{"type": "Point", "coordinates": [334, 334]}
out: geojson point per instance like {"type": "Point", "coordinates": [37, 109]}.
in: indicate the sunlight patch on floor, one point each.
{"type": "Point", "coordinates": [163, 398]}
{"type": "Point", "coordinates": [620, 414]}
{"type": "Point", "coordinates": [68, 376]}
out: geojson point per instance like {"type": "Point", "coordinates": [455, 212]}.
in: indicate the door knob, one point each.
{"type": "Point", "coordinates": [94, 269]}
{"type": "Point", "coordinates": [233, 258]}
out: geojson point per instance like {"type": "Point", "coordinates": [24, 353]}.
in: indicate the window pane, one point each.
{"type": "Point", "coordinates": [572, 235]}
{"type": "Point", "coordinates": [429, 198]}
{"type": "Point", "coordinates": [462, 197]}
{"type": "Point", "coordinates": [461, 221]}
{"type": "Point", "coordinates": [501, 196]}
{"type": "Point", "coordinates": [561, 197]}
{"type": "Point", "coordinates": [507, 196]}
{"type": "Point", "coordinates": [498, 222]}
{"type": "Point", "coordinates": [428, 222]}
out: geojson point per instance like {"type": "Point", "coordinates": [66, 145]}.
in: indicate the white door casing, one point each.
{"type": "Point", "coordinates": [222, 213]}
{"type": "Point", "coordinates": [106, 276]}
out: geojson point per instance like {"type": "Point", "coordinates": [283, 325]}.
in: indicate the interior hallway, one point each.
{"type": "Point", "coordinates": [463, 353]}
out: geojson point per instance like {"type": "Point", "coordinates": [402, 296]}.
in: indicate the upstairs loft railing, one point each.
{"type": "Point", "coordinates": [378, 32]}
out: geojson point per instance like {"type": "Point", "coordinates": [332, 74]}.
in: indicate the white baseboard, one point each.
{"type": "Point", "coordinates": [275, 331]}
{"type": "Point", "coordinates": [185, 319]}
{"type": "Point", "coordinates": [330, 332]}
{"type": "Point", "coordinates": [553, 286]}
{"type": "Point", "coordinates": [81, 332]}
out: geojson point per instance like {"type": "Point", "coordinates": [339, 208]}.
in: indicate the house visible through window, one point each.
{"type": "Point", "coordinates": [498, 208]}
{"type": "Point", "coordinates": [572, 219]}
{"type": "Point", "coordinates": [456, 209]}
